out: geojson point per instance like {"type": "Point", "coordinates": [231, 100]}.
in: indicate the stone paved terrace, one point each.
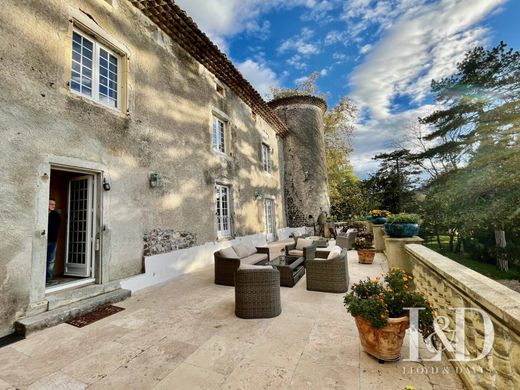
{"type": "Point", "coordinates": [183, 334]}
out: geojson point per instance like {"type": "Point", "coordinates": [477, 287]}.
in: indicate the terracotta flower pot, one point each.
{"type": "Point", "coordinates": [366, 256]}
{"type": "Point", "coordinates": [383, 343]}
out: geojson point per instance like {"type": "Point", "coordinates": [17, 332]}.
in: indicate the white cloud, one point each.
{"type": "Point", "coordinates": [259, 75]}
{"type": "Point", "coordinates": [260, 31]}
{"type": "Point", "coordinates": [415, 50]}
{"type": "Point", "coordinates": [423, 42]}
{"type": "Point", "coordinates": [365, 49]}
{"type": "Point", "coordinates": [335, 36]}
{"type": "Point", "coordinates": [300, 43]}
{"type": "Point", "coordinates": [297, 62]}
{"type": "Point", "coordinates": [222, 20]}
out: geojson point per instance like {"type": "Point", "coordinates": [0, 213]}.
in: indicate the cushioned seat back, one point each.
{"type": "Point", "coordinates": [303, 242]}
{"type": "Point", "coordinates": [228, 253]}
{"type": "Point", "coordinates": [244, 249]}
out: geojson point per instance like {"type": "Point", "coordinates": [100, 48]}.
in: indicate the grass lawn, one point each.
{"type": "Point", "coordinates": [490, 270]}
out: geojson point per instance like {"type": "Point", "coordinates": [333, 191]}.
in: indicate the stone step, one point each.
{"type": "Point", "coordinates": [67, 297]}
{"type": "Point", "coordinates": [61, 314]}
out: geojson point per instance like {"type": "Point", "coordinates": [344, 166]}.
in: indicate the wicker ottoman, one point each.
{"type": "Point", "coordinates": [257, 292]}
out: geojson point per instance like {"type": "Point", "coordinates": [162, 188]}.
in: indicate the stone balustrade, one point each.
{"type": "Point", "coordinates": [448, 285]}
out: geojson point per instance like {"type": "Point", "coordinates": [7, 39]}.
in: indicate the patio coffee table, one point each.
{"type": "Point", "coordinates": [291, 269]}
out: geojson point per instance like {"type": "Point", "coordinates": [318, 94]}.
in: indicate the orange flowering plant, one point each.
{"type": "Point", "coordinates": [387, 296]}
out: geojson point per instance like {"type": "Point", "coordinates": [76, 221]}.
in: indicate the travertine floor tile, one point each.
{"type": "Point", "coordinates": [58, 381]}
{"type": "Point", "coordinates": [186, 376]}
{"type": "Point", "coordinates": [256, 375]}
{"type": "Point", "coordinates": [220, 354]}
{"type": "Point", "coordinates": [309, 375]}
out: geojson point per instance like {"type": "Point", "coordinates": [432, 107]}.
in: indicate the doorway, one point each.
{"type": "Point", "coordinates": [78, 244]}
{"type": "Point", "coordinates": [270, 223]}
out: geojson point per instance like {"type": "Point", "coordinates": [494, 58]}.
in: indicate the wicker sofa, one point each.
{"type": "Point", "coordinates": [328, 271]}
{"type": "Point", "coordinates": [305, 247]}
{"type": "Point", "coordinates": [228, 260]}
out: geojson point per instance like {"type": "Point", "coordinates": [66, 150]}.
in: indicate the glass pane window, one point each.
{"type": "Point", "coordinates": [266, 158]}
{"type": "Point", "coordinates": [95, 70]}
{"type": "Point", "coordinates": [82, 55]}
{"type": "Point", "coordinates": [219, 135]}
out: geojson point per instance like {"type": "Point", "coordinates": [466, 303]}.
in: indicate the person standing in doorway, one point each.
{"type": "Point", "coordinates": [52, 240]}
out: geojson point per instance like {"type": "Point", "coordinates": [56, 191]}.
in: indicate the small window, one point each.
{"type": "Point", "coordinates": [96, 71]}
{"type": "Point", "coordinates": [219, 135]}
{"type": "Point", "coordinates": [222, 211]}
{"type": "Point", "coordinates": [266, 158]}
{"type": "Point", "coordinates": [220, 89]}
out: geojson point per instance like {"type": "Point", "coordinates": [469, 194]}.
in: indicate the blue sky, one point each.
{"type": "Point", "coordinates": [382, 54]}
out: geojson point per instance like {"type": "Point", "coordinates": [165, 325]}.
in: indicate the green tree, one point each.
{"type": "Point", "coordinates": [479, 127]}
{"type": "Point", "coordinates": [393, 185]}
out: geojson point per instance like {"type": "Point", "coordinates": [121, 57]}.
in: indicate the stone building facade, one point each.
{"type": "Point", "coordinates": [147, 136]}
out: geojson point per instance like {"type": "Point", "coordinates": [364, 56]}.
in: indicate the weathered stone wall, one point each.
{"type": "Point", "coordinates": [306, 183]}
{"type": "Point", "coordinates": [167, 130]}
{"type": "Point", "coordinates": [158, 241]}
{"type": "Point", "coordinates": [451, 285]}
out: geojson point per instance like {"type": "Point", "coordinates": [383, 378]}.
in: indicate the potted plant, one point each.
{"type": "Point", "coordinates": [402, 225]}
{"type": "Point", "coordinates": [379, 309]}
{"type": "Point", "coordinates": [379, 217]}
{"type": "Point", "coordinates": [364, 246]}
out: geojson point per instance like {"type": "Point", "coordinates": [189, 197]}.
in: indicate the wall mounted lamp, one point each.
{"type": "Point", "coordinates": [155, 180]}
{"type": "Point", "coordinates": [106, 184]}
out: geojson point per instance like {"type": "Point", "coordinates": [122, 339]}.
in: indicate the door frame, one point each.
{"type": "Point", "coordinates": [39, 242]}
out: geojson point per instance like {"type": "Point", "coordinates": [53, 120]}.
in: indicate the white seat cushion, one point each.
{"type": "Point", "coordinates": [303, 242]}
{"type": "Point", "coordinates": [334, 253]}
{"type": "Point", "coordinates": [295, 252]}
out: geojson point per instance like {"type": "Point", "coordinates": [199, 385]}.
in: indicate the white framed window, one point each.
{"type": "Point", "coordinates": [222, 210]}
{"type": "Point", "coordinates": [266, 158]}
{"type": "Point", "coordinates": [95, 71]}
{"type": "Point", "coordinates": [219, 134]}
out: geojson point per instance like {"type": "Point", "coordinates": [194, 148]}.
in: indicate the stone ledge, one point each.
{"type": "Point", "coordinates": [29, 325]}
{"type": "Point", "coordinates": [496, 298]}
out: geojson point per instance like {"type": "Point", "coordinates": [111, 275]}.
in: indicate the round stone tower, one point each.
{"type": "Point", "coordinates": [305, 168]}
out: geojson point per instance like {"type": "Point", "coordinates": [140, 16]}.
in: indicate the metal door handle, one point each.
{"type": "Point", "coordinates": [43, 232]}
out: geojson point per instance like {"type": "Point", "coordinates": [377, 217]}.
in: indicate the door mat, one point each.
{"type": "Point", "coordinates": [93, 316]}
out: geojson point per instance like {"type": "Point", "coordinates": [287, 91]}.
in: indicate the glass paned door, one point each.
{"type": "Point", "coordinates": [222, 211]}
{"type": "Point", "coordinates": [269, 219]}
{"type": "Point", "coordinates": [80, 226]}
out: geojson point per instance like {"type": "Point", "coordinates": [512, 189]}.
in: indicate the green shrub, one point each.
{"type": "Point", "coordinates": [404, 218]}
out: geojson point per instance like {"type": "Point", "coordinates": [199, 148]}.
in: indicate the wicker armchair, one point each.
{"type": "Point", "coordinates": [226, 267]}
{"type": "Point", "coordinates": [308, 252]}
{"type": "Point", "coordinates": [257, 292]}
{"type": "Point", "coordinates": [346, 240]}
{"type": "Point", "coordinates": [328, 275]}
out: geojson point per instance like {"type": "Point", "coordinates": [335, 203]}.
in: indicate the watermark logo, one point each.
{"type": "Point", "coordinates": [455, 345]}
